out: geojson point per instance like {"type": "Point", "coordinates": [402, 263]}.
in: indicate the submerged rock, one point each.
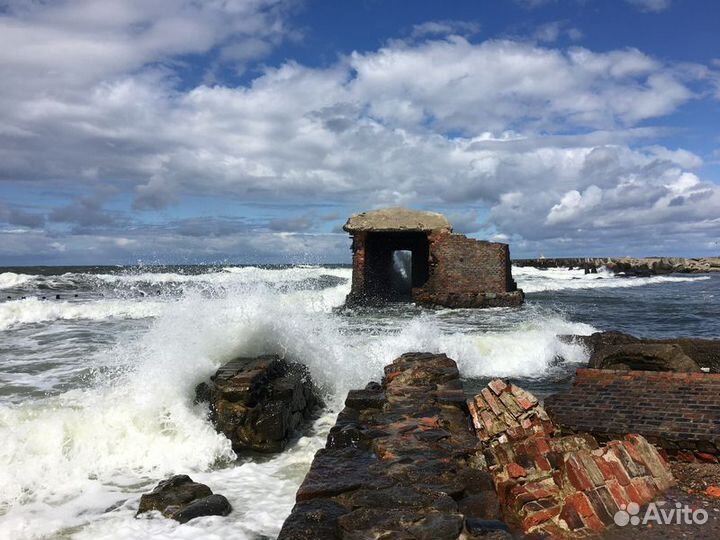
{"type": "Point", "coordinates": [181, 499]}
{"type": "Point", "coordinates": [259, 403]}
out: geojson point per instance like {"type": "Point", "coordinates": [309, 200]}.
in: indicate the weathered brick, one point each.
{"type": "Point", "coordinates": [536, 518]}
{"type": "Point", "coordinates": [571, 516]}
{"type": "Point", "coordinates": [577, 475]}
{"type": "Point", "coordinates": [516, 471]}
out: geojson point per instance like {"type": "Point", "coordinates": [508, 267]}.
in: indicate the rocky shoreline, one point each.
{"type": "Point", "coordinates": [628, 266]}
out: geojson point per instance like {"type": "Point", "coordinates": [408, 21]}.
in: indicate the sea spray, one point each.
{"type": "Point", "coordinates": [68, 457]}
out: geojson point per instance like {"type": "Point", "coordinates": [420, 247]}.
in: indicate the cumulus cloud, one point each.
{"type": "Point", "coordinates": [551, 142]}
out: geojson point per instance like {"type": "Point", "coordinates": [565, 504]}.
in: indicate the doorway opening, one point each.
{"type": "Point", "coordinates": [396, 262]}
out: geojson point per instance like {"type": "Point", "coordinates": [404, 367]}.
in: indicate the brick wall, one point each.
{"type": "Point", "coordinates": [460, 264]}
{"type": "Point", "coordinates": [679, 412]}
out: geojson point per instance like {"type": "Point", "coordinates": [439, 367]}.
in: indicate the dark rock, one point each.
{"type": "Point", "coordinates": [176, 491]}
{"type": "Point", "coordinates": [437, 526]}
{"type": "Point", "coordinates": [313, 520]}
{"type": "Point", "coordinates": [688, 354]}
{"type": "Point", "coordinates": [335, 471]}
{"type": "Point", "coordinates": [400, 462]}
{"type": "Point", "coordinates": [212, 505]}
{"type": "Point", "coordinates": [600, 340]}
{"type": "Point", "coordinates": [488, 529]}
{"type": "Point", "coordinates": [259, 403]}
{"type": "Point", "coordinates": [482, 505]}
{"type": "Point", "coordinates": [365, 399]}
{"type": "Point", "coordinates": [706, 352]}
{"type": "Point", "coordinates": [182, 499]}
{"type": "Point", "coordinates": [644, 357]}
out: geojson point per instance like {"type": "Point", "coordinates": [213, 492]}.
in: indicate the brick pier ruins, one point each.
{"type": "Point", "coordinates": [411, 458]}
{"type": "Point", "coordinates": [401, 254]}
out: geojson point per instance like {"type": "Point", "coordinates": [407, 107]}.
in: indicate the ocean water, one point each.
{"type": "Point", "coordinates": [97, 386]}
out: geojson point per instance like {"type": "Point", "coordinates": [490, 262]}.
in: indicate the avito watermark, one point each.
{"type": "Point", "coordinates": [679, 515]}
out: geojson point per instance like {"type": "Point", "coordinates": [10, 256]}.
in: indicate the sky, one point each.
{"type": "Point", "coordinates": [247, 131]}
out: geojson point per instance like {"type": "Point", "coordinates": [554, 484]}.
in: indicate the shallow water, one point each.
{"type": "Point", "coordinates": [96, 395]}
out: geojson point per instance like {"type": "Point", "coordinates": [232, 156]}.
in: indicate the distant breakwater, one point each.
{"type": "Point", "coordinates": [646, 266]}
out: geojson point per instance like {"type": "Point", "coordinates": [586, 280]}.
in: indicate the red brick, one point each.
{"type": "Point", "coordinates": [618, 493]}
{"type": "Point", "coordinates": [519, 496]}
{"type": "Point", "coordinates": [577, 475]}
{"type": "Point", "coordinates": [580, 502]}
{"type": "Point", "coordinates": [605, 468]}
{"type": "Point", "coordinates": [685, 456]}
{"type": "Point", "coordinates": [535, 519]}
{"type": "Point", "coordinates": [634, 453]}
{"type": "Point", "coordinates": [644, 490]}
{"type": "Point", "coordinates": [708, 458]}
{"type": "Point", "coordinates": [571, 516]}
{"type": "Point", "coordinates": [497, 386]}
{"type": "Point", "coordinates": [594, 523]}
{"type": "Point", "coordinates": [516, 471]}
{"type": "Point", "coordinates": [543, 464]}
{"type": "Point", "coordinates": [634, 495]}
{"type": "Point", "coordinates": [619, 472]}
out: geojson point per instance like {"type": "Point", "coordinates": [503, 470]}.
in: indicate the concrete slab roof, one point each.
{"type": "Point", "coordinates": [397, 219]}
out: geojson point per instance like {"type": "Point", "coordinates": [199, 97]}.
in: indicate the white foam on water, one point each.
{"type": "Point", "coordinates": [34, 310]}
{"type": "Point", "coordinates": [10, 280]}
{"type": "Point", "coordinates": [533, 280]}
{"type": "Point", "coordinates": [65, 459]}
{"type": "Point", "coordinates": [227, 276]}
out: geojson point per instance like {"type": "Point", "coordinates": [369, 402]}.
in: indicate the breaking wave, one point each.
{"type": "Point", "coordinates": [33, 310]}
{"type": "Point", "coordinates": [11, 280]}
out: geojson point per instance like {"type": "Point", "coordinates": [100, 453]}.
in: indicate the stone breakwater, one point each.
{"type": "Point", "coordinates": [647, 266]}
{"type": "Point", "coordinates": [411, 458]}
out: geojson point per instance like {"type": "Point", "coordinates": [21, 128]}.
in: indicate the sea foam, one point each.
{"type": "Point", "coordinates": [66, 458]}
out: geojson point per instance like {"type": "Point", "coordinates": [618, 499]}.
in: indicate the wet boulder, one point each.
{"type": "Point", "coordinates": [617, 350]}
{"type": "Point", "coordinates": [644, 357]}
{"type": "Point", "coordinates": [260, 403]}
{"type": "Point", "coordinates": [181, 499]}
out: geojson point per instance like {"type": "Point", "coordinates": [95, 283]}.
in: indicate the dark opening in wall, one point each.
{"type": "Point", "coordinates": [402, 273]}
{"type": "Point", "coordinates": [396, 262]}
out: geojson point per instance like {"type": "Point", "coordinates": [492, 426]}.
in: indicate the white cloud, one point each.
{"type": "Point", "coordinates": [574, 204]}
{"type": "Point", "coordinates": [549, 141]}
{"type": "Point", "coordinates": [651, 6]}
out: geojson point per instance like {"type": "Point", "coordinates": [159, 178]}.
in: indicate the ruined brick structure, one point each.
{"type": "Point", "coordinates": [439, 267]}
{"type": "Point", "coordinates": [412, 458]}
{"type": "Point", "coordinates": [553, 486]}
{"type": "Point", "coordinates": [679, 412]}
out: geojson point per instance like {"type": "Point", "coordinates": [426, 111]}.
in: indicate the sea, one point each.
{"type": "Point", "coordinates": [98, 367]}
